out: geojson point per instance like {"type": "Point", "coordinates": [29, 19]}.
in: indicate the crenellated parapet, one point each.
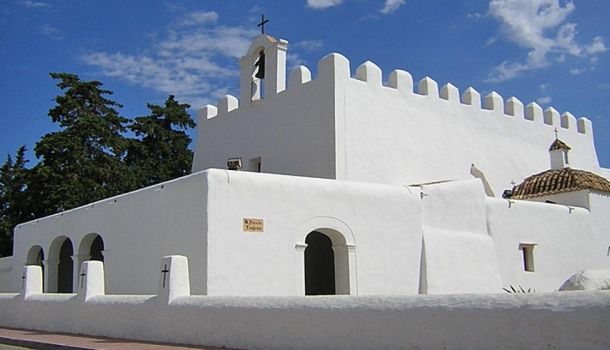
{"type": "Point", "coordinates": [335, 68]}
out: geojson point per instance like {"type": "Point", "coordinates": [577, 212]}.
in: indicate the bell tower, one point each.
{"type": "Point", "coordinates": [263, 69]}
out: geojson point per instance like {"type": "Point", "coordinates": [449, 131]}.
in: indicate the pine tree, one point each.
{"type": "Point", "coordinates": [161, 151]}
{"type": "Point", "coordinates": [14, 203]}
{"type": "Point", "coordinates": [82, 162]}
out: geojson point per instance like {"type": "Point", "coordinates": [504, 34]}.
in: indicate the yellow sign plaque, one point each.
{"type": "Point", "coordinates": [253, 225]}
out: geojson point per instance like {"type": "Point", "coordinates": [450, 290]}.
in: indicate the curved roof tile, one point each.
{"type": "Point", "coordinates": [559, 181]}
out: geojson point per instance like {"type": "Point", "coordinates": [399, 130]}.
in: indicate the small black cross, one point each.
{"type": "Point", "coordinates": [165, 271]}
{"type": "Point", "coordinates": [22, 280]}
{"type": "Point", "coordinates": [82, 277]}
{"type": "Point", "coordinates": [556, 133]}
{"type": "Point", "coordinates": [262, 24]}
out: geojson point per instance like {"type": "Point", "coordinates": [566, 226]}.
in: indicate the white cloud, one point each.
{"type": "Point", "coordinates": [195, 64]}
{"type": "Point", "coordinates": [544, 100]}
{"type": "Point", "coordinates": [34, 4]}
{"type": "Point", "coordinates": [51, 32]}
{"type": "Point", "coordinates": [528, 24]}
{"type": "Point", "coordinates": [200, 18]}
{"type": "Point", "coordinates": [310, 45]}
{"type": "Point", "coordinates": [577, 71]}
{"type": "Point", "coordinates": [391, 6]}
{"type": "Point", "coordinates": [322, 4]}
{"type": "Point", "coordinates": [597, 46]}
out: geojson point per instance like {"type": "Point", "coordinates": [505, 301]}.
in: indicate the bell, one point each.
{"type": "Point", "coordinates": [260, 64]}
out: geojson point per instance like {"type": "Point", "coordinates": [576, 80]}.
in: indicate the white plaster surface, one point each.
{"type": "Point", "coordinates": [567, 320]}
{"type": "Point", "coordinates": [6, 275]}
{"type": "Point", "coordinates": [380, 224]}
{"type": "Point", "coordinates": [353, 128]}
{"type": "Point", "coordinates": [565, 242]}
{"type": "Point", "coordinates": [137, 228]}
{"type": "Point", "coordinates": [459, 254]}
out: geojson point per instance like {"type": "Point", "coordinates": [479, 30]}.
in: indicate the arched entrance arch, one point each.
{"type": "Point", "coordinates": [326, 252]}
{"type": "Point", "coordinates": [91, 248]}
{"type": "Point", "coordinates": [36, 257]}
{"type": "Point", "coordinates": [60, 266]}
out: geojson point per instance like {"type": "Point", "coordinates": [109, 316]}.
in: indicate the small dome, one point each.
{"type": "Point", "coordinates": [559, 181]}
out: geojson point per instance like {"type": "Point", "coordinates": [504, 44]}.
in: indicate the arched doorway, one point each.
{"type": "Point", "coordinates": [319, 265]}
{"type": "Point", "coordinates": [36, 257]}
{"type": "Point", "coordinates": [65, 268]}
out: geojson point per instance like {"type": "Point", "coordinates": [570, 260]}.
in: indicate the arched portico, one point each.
{"type": "Point", "coordinates": [91, 247]}
{"type": "Point", "coordinates": [320, 234]}
{"type": "Point", "coordinates": [60, 266]}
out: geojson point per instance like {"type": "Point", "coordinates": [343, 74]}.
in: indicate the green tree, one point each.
{"type": "Point", "coordinates": [161, 151]}
{"type": "Point", "coordinates": [82, 162]}
{"type": "Point", "coordinates": [14, 203]}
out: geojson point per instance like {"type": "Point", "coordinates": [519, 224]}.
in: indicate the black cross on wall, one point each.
{"type": "Point", "coordinates": [164, 271]}
{"type": "Point", "coordinates": [262, 24]}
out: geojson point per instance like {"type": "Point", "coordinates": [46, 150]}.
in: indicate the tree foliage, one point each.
{"type": "Point", "coordinates": [82, 162]}
{"type": "Point", "coordinates": [90, 157]}
{"type": "Point", "coordinates": [161, 152]}
{"type": "Point", "coordinates": [14, 178]}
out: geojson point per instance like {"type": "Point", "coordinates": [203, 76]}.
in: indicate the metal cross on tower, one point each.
{"type": "Point", "coordinates": [556, 133]}
{"type": "Point", "coordinates": [262, 24]}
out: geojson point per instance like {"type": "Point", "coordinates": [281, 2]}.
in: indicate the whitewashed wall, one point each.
{"type": "Point", "coordinates": [381, 224]}
{"type": "Point", "coordinates": [393, 135]}
{"type": "Point", "coordinates": [459, 253]}
{"type": "Point", "coordinates": [566, 320]}
{"type": "Point", "coordinates": [6, 267]}
{"type": "Point", "coordinates": [137, 228]}
{"type": "Point", "coordinates": [336, 126]}
{"type": "Point", "coordinates": [292, 132]}
{"type": "Point", "coordinates": [565, 242]}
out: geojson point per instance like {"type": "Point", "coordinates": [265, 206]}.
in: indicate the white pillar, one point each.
{"type": "Point", "coordinates": [300, 268]}
{"type": "Point", "coordinates": [31, 281]}
{"type": "Point", "coordinates": [173, 278]}
{"type": "Point", "coordinates": [345, 269]}
{"type": "Point", "coordinates": [91, 279]}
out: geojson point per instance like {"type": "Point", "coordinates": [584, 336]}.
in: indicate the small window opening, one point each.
{"type": "Point", "coordinates": [256, 164]}
{"type": "Point", "coordinates": [565, 158]}
{"type": "Point", "coordinates": [234, 164]}
{"type": "Point", "coordinates": [528, 256]}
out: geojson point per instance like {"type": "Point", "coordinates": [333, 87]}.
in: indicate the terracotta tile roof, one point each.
{"type": "Point", "coordinates": [558, 144]}
{"type": "Point", "coordinates": [559, 181]}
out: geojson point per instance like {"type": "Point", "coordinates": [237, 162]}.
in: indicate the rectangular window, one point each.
{"type": "Point", "coordinates": [528, 256]}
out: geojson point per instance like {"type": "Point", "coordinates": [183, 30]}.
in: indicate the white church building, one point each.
{"type": "Point", "coordinates": [348, 182]}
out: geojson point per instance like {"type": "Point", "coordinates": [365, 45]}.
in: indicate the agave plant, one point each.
{"type": "Point", "coordinates": [519, 289]}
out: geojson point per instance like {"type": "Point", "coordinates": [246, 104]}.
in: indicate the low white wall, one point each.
{"type": "Point", "coordinates": [566, 320]}
{"type": "Point", "coordinates": [6, 266]}
{"type": "Point", "coordinates": [564, 242]}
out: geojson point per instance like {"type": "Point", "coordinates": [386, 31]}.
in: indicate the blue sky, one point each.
{"type": "Point", "coordinates": [554, 52]}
